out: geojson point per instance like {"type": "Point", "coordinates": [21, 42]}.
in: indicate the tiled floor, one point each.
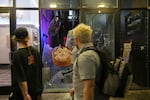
{"type": "Point", "coordinates": [5, 75]}
{"type": "Point", "coordinates": [132, 95]}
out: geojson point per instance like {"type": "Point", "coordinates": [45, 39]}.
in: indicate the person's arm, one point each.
{"type": "Point", "coordinates": [88, 90]}
{"type": "Point", "coordinates": [24, 90]}
{"type": "Point", "coordinates": [72, 92]}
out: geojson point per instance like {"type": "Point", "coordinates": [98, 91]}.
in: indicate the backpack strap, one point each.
{"type": "Point", "coordinates": [31, 59]}
{"type": "Point", "coordinates": [29, 50]}
{"type": "Point", "coordinates": [102, 70]}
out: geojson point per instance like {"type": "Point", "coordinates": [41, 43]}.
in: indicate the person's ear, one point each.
{"type": "Point", "coordinates": [27, 38]}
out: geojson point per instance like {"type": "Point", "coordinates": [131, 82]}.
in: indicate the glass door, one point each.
{"type": "Point", "coordinates": [103, 25]}
{"type": "Point", "coordinates": [5, 60]}
{"type": "Point", "coordinates": [56, 78]}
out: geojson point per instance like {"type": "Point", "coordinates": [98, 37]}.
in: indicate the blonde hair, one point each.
{"type": "Point", "coordinates": [83, 33]}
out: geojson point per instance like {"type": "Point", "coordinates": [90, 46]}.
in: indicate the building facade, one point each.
{"type": "Point", "coordinates": [116, 25]}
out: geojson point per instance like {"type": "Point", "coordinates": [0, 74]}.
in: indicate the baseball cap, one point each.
{"type": "Point", "coordinates": [21, 33]}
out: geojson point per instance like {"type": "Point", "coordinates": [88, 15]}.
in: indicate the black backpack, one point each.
{"type": "Point", "coordinates": [112, 79]}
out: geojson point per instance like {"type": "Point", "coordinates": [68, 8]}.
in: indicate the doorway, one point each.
{"type": "Point", "coordinates": [5, 49]}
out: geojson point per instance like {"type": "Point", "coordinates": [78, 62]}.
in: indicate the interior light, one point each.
{"type": "Point", "coordinates": [53, 6]}
{"type": "Point", "coordinates": [70, 12]}
{"type": "Point", "coordinates": [70, 17]}
{"type": "Point", "coordinates": [3, 5]}
{"type": "Point", "coordinates": [99, 11]}
{"type": "Point", "coordinates": [101, 6]}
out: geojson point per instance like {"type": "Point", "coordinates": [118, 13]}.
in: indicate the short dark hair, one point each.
{"type": "Point", "coordinates": [21, 33]}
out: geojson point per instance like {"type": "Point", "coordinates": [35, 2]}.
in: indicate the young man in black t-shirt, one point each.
{"type": "Point", "coordinates": [26, 69]}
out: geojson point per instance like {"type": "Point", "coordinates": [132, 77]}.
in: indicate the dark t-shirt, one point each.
{"type": "Point", "coordinates": [22, 71]}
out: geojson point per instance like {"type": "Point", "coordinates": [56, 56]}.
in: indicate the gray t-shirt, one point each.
{"type": "Point", "coordinates": [84, 67]}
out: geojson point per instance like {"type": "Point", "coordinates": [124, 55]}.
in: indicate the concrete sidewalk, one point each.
{"type": "Point", "coordinates": [132, 95]}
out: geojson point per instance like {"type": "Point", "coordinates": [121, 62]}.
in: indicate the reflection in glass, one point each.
{"type": "Point", "coordinates": [4, 36]}
{"type": "Point", "coordinates": [103, 31]}
{"type": "Point", "coordinates": [30, 20]}
{"type": "Point", "coordinates": [60, 3]}
{"type": "Point", "coordinates": [6, 3]}
{"type": "Point", "coordinates": [134, 23]}
{"type": "Point", "coordinates": [57, 23]}
{"type": "Point", "coordinates": [27, 3]}
{"type": "Point", "coordinates": [4, 18]}
{"type": "Point", "coordinates": [133, 4]}
{"type": "Point", "coordinates": [56, 78]}
{"type": "Point", "coordinates": [100, 3]}
{"type": "Point", "coordinates": [5, 73]}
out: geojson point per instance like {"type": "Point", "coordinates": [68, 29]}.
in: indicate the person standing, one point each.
{"type": "Point", "coordinates": [85, 65]}
{"type": "Point", "coordinates": [53, 31]}
{"type": "Point", "coordinates": [26, 69]}
{"type": "Point", "coordinates": [70, 44]}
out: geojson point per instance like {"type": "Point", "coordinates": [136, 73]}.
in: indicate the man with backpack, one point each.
{"type": "Point", "coordinates": [85, 66]}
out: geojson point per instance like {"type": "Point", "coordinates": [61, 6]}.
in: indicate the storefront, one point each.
{"type": "Point", "coordinates": [109, 19]}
